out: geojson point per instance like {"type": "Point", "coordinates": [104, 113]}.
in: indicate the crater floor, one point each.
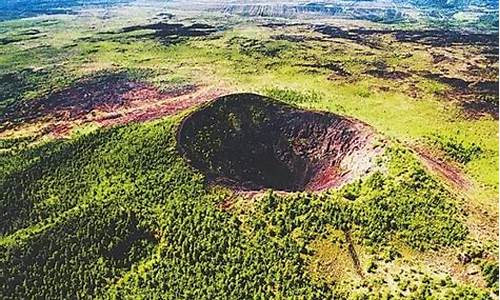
{"type": "Point", "coordinates": [252, 142]}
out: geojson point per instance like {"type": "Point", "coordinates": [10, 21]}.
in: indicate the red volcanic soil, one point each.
{"type": "Point", "coordinates": [171, 106]}
{"type": "Point", "coordinates": [452, 174]}
{"type": "Point", "coordinates": [105, 100]}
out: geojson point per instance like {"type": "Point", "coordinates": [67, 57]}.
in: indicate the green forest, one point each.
{"type": "Point", "coordinates": [118, 214]}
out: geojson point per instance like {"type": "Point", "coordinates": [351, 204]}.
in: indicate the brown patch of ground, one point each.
{"type": "Point", "coordinates": [452, 174]}
{"type": "Point", "coordinates": [436, 38]}
{"type": "Point", "coordinates": [164, 107]}
{"type": "Point", "coordinates": [58, 130]}
{"type": "Point", "coordinates": [439, 58]}
{"type": "Point", "coordinates": [105, 100]}
{"type": "Point", "coordinates": [475, 109]}
{"type": "Point", "coordinates": [166, 33]}
{"type": "Point", "coordinates": [482, 219]}
{"type": "Point", "coordinates": [169, 29]}
{"type": "Point", "coordinates": [290, 38]}
{"type": "Point", "coordinates": [414, 91]}
{"type": "Point", "coordinates": [476, 98]}
{"type": "Point", "coordinates": [361, 36]}
{"type": "Point", "coordinates": [486, 87]}
{"type": "Point", "coordinates": [386, 74]}
{"type": "Point", "coordinates": [337, 68]}
{"type": "Point", "coordinates": [380, 69]}
{"type": "Point", "coordinates": [278, 25]}
{"type": "Point", "coordinates": [250, 142]}
{"type": "Point", "coordinates": [75, 102]}
{"type": "Point", "coordinates": [295, 38]}
{"type": "Point", "coordinates": [339, 71]}
{"type": "Point", "coordinates": [468, 274]}
{"type": "Point", "coordinates": [228, 202]}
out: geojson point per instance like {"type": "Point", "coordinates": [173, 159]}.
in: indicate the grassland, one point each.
{"type": "Point", "coordinates": [96, 201]}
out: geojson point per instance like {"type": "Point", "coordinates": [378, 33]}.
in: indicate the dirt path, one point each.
{"type": "Point", "coordinates": [354, 254]}
{"type": "Point", "coordinates": [450, 173]}
{"type": "Point", "coordinates": [482, 219]}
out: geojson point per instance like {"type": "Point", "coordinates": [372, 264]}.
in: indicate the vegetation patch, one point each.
{"type": "Point", "coordinates": [459, 151]}
{"type": "Point", "coordinates": [292, 96]}
{"type": "Point", "coordinates": [137, 220]}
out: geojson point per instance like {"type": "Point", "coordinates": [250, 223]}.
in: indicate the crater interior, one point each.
{"type": "Point", "coordinates": [252, 142]}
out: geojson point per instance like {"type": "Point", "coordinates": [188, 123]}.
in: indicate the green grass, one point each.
{"type": "Point", "coordinates": [219, 61]}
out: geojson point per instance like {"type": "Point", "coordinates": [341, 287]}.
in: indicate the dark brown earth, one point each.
{"type": "Point", "coordinates": [477, 98]}
{"type": "Point", "coordinates": [25, 35]}
{"type": "Point", "coordinates": [380, 69]}
{"type": "Point", "coordinates": [475, 109]}
{"type": "Point", "coordinates": [439, 38]}
{"type": "Point", "coordinates": [165, 33]}
{"type": "Point", "coordinates": [73, 102]}
{"type": "Point", "coordinates": [337, 68]}
{"type": "Point", "coordinates": [387, 74]}
{"type": "Point", "coordinates": [168, 29]}
{"type": "Point", "coordinates": [250, 142]}
{"type": "Point", "coordinates": [291, 38]}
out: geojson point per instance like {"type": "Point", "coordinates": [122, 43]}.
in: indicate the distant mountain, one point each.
{"type": "Point", "coordinates": [475, 14]}
{"type": "Point", "coordinates": [464, 14]}
{"type": "Point", "coordinates": [456, 4]}
{"type": "Point", "coordinates": [16, 9]}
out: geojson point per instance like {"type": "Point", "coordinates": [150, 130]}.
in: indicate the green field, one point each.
{"type": "Point", "coordinates": [96, 201]}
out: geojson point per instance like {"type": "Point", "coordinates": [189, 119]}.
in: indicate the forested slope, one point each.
{"type": "Point", "coordinates": [118, 213]}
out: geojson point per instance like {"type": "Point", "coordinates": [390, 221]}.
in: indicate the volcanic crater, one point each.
{"type": "Point", "coordinates": [251, 142]}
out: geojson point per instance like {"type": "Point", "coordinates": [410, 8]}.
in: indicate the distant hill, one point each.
{"type": "Point", "coordinates": [17, 9]}
{"type": "Point", "coordinates": [463, 14]}
{"type": "Point", "coordinates": [457, 4]}
{"type": "Point", "coordinates": [478, 14]}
